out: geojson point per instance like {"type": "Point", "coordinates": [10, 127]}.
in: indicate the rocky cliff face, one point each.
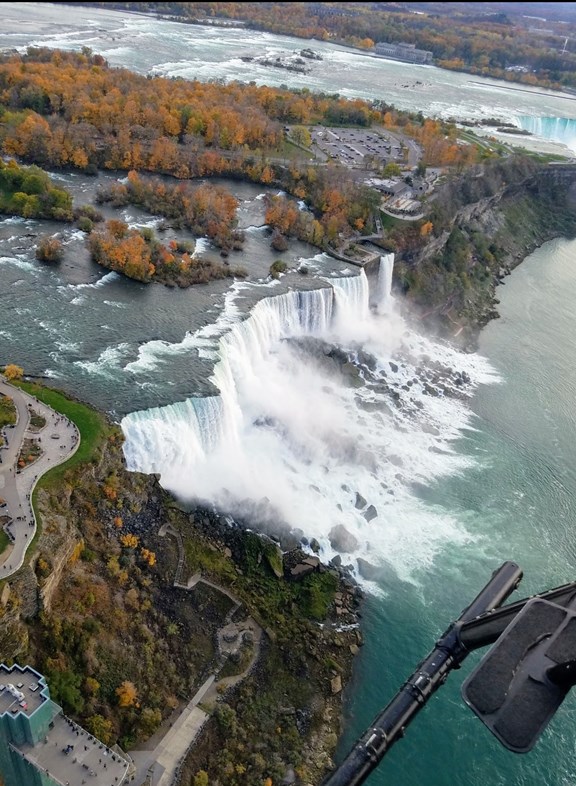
{"type": "Point", "coordinates": [485, 223]}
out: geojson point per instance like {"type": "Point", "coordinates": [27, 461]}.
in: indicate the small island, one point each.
{"type": "Point", "coordinates": [137, 254]}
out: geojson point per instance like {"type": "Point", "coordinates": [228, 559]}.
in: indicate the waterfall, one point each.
{"type": "Point", "coordinates": [307, 431]}
{"type": "Point", "coordinates": [351, 295]}
{"type": "Point", "coordinates": [186, 432]}
{"type": "Point", "coordinates": [384, 297]}
{"type": "Point", "coordinates": [558, 129]}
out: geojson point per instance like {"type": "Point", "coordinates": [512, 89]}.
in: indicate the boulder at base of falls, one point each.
{"type": "Point", "coordinates": [315, 546]}
{"type": "Point", "coordinates": [367, 570]}
{"type": "Point", "coordinates": [370, 513]}
{"type": "Point", "coordinates": [298, 564]}
{"type": "Point", "coordinates": [360, 502]}
{"type": "Point", "coordinates": [304, 568]}
{"type": "Point", "coordinates": [341, 540]}
{"type": "Point", "coordinates": [382, 573]}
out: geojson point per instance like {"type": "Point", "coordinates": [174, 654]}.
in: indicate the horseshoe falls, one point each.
{"type": "Point", "coordinates": [558, 129]}
{"type": "Point", "coordinates": [331, 415]}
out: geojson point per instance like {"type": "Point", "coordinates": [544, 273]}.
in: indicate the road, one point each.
{"type": "Point", "coordinates": [16, 485]}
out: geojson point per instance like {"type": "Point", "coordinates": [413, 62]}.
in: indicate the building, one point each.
{"type": "Point", "coordinates": [39, 746]}
{"type": "Point", "coordinates": [389, 187]}
{"type": "Point", "coordinates": [405, 52]}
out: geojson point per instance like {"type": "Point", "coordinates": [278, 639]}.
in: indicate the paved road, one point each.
{"type": "Point", "coordinates": [16, 485]}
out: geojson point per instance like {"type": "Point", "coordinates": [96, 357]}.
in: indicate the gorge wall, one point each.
{"type": "Point", "coordinates": [484, 224]}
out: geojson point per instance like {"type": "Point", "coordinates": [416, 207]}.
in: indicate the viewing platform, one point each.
{"type": "Point", "coordinates": [40, 746]}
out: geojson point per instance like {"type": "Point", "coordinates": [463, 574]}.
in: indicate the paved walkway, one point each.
{"type": "Point", "coordinates": [161, 764]}
{"type": "Point", "coordinates": [16, 485]}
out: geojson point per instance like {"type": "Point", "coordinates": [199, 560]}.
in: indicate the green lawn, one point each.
{"type": "Point", "coordinates": [91, 425]}
{"type": "Point", "coordinates": [292, 152]}
{"type": "Point", "coordinates": [4, 541]}
{"type": "Point", "coordinates": [7, 411]}
{"type": "Point", "coordinates": [389, 222]}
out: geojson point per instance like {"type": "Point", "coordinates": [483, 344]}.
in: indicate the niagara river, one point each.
{"type": "Point", "coordinates": [313, 405]}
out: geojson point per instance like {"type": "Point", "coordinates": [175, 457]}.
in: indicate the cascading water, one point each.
{"type": "Point", "coordinates": [558, 129]}
{"type": "Point", "coordinates": [316, 429]}
{"type": "Point", "coordinates": [383, 303]}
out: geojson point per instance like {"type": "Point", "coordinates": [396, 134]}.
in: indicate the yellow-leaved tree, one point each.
{"type": "Point", "coordinates": [127, 695]}
{"type": "Point", "coordinates": [12, 371]}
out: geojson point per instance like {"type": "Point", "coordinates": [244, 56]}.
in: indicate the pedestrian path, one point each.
{"type": "Point", "coordinates": [58, 439]}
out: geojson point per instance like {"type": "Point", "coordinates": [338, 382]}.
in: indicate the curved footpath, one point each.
{"type": "Point", "coordinates": [59, 439]}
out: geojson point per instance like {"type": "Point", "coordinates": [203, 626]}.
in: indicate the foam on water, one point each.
{"type": "Point", "coordinates": [151, 223]}
{"type": "Point", "coordinates": [15, 220]}
{"type": "Point", "coordinates": [115, 304]}
{"type": "Point", "coordinates": [202, 246]}
{"type": "Point", "coordinates": [18, 261]}
{"type": "Point", "coordinates": [67, 346]}
{"type": "Point", "coordinates": [106, 279]}
{"type": "Point", "coordinates": [77, 235]}
{"type": "Point", "coordinates": [293, 439]}
{"type": "Point", "coordinates": [108, 363]}
{"type": "Point", "coordinates": [203, 342]}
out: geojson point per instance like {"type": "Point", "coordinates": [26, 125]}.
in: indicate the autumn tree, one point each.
{"type": "Point", "coordinates": [12, 371]}
{"type": "Point", "coordinates": [101, 728]}
{"type": "Point", "coordinates": [302, 136]}
{"type": "Point", "coordinates": [149, 721]}
{"type": "Point", "coordinates": [148, 556]}
{"type": "Point", "coordinates": [129, 541]}
{"type": "Point", "coordinates": [127, 695]}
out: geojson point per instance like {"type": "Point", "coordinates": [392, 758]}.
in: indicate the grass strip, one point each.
{"type": "Point", "coordinates": [4, 541]}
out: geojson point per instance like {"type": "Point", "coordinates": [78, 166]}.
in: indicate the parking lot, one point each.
{"type": "Point", "coordinates": [354, 147]}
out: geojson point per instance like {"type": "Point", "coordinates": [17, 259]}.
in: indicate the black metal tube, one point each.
{"type": "Point", "coordinates": [489, 626]}
{"type": "Point", "coordinates": [389, 726]}
{"type": "Point", "coordinates": [503, 582]}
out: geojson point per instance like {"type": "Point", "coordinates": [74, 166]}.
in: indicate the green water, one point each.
{"type": "Point", "coordinates": [518, 503]}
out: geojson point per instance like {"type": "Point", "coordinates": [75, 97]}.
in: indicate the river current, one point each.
{"type": "Point", "coordinates": [439, 465]}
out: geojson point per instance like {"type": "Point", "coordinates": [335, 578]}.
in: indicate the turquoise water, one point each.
{"type": "Point", "coordinates": [519, 502]}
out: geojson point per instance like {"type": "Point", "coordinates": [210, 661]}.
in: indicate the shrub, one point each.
{"type": "Point", "coordinates": [279, 242]}
{"type": "Point", "coordinates": [88, 211]}
{"type": "Point", "coordinates": [278, 267]}
{"type": "Point", "coordinates": [49, 250]}
{"type": "Point", "coordinates": [85, 224]}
